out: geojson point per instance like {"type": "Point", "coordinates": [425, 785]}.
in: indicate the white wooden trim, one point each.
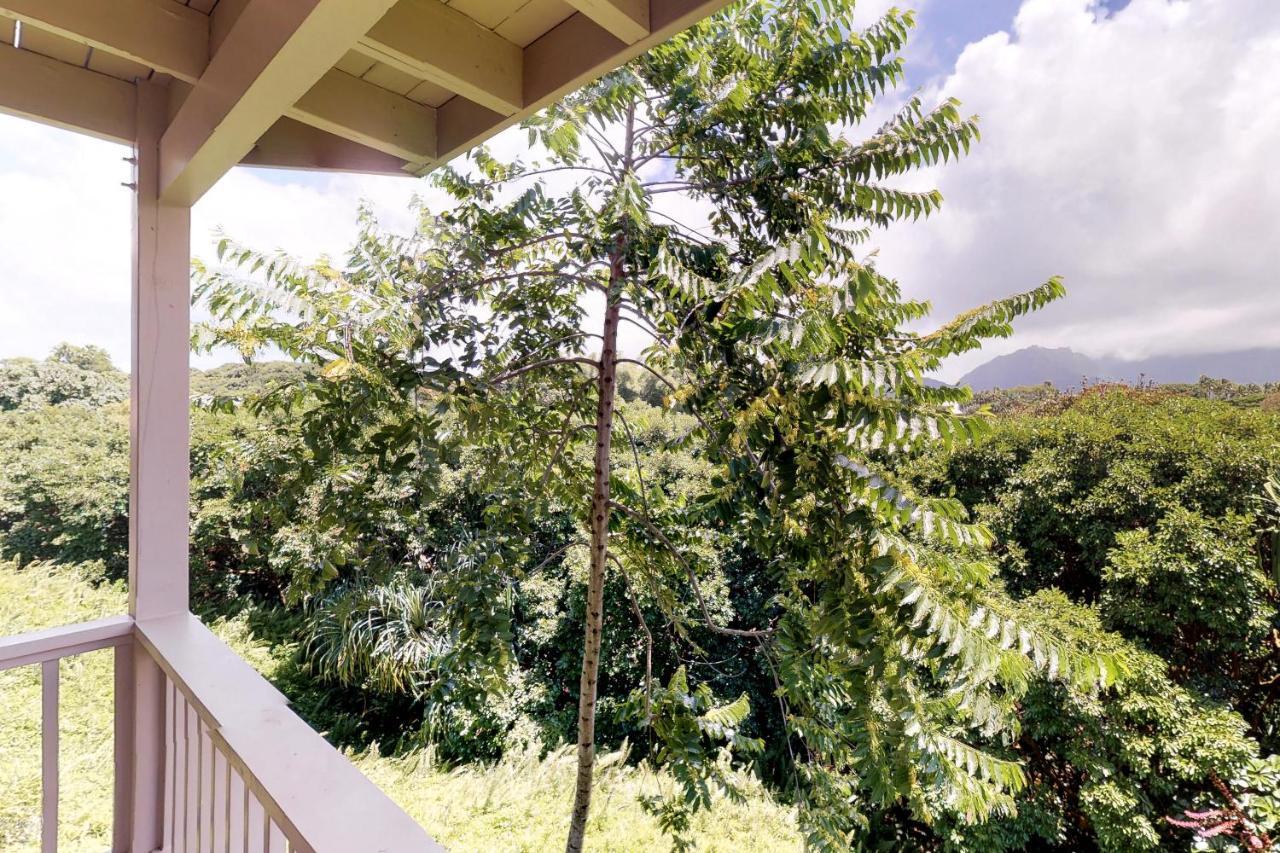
{"type": "Point", "coordinates": [159, 400]}
{"type": "Point", "coordinates": [64, 641]}
{"type": "Point", "coordinates": [52, 92]}
{"type": "Point", "coordinates": [159, 34]}
{"type": "Point", "coordinates": [429, 40]}
{"type": "Point", "coordinates": [628, 20]}
{"type": "Point", "coordinates": [159, 451]}
{"type": "Point", "coordinates": [274, 53]}
{"type": "Point", "coordinates": [310, 790]}
{"type": "Point", "coordinates": [370, 115]}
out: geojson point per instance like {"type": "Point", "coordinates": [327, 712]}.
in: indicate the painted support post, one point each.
{"type": "Point", "coordinates": [159, 454]}
{"type": "Point", "coordinates": [159, 392]}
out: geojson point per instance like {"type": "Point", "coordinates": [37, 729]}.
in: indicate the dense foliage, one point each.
{"type": "Point", "coordinates": [64, 485]}
{"type": "Point", "coordinates": [1103, 771]}
{"type": "Point", "coordinates": [70, 376]}
{"type": "Point", "coordinates": [895, 655]}
{"type": "Point", "coordinates": [515, 805]}
{"type": "Point", "coordinates": [1147, 506]}
{"type": "Point", "coordinates": [487, 531]}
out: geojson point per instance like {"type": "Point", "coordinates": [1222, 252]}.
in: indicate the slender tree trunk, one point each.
{"type": "Point", "coordinates": [607, 391]}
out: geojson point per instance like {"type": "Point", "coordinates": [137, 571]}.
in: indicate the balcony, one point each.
{"type": "Point", "coordinates": [208, 755]}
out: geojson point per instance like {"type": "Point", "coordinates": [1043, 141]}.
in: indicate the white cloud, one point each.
{"type": "Point", "coordinates": [64, 241]}
{"type": "Point", "coordinates": [1130, 152]}
{"type": "Point", "coordinates": [65, 231]}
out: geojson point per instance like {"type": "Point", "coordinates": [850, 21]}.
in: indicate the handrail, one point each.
{"type": "Point", "coordinates": [47, 648]}
{"type": "Point", "coordinates": [64, 641]}
{"type": "Point", "coordinates": [316, 797]}
{"type": "Point", "coordinates": [238, 760]}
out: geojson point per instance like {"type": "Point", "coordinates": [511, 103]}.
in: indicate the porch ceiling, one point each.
{"type": "Point", "coordinates": [393, 86]}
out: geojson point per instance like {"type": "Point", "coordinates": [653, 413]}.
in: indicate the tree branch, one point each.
{"type": "Point", "coordinates": [556, 553]}
{"type": "Point", "coordinates": [519, 371]}
{"type": "Point", "coordinates": [648, 652]}
{"type": "Point", "coordinates": [648, 330]}
{"type": "Point", "coordinates": [587, 280]}
{"type": "Point", "coordinates": [635, 455]}
{"type": "Point", "coordinates": [692, 576]}
{"type": "Point", "coordinates": [545, 238]}
{"type": "Point", "coordinates": [565, 432]}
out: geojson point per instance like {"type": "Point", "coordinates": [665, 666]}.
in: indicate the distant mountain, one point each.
{"type": "Point", "coordinates": [1060, 367]}
{"type": "Point", "coordinates": [1066, 368]}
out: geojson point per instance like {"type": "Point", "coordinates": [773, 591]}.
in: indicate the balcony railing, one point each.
{"type": "Point", "coordinates": [236, 770]}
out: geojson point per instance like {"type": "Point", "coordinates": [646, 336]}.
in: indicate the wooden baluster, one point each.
{"type": "Point", "coordinates": [170, 802]}
{"type": "Point", "coordinates": [226, 817]}
{"type": "Point", "coordinates": [123, 747]}
{"type": "Point", "coordinates": [246, 814]}
{"type": "Point", "coordinates": [200, 809]}
{"type": "Point", "coordinates": [190, 815]}
{"type": "Point", "coordinates": [49, 756]}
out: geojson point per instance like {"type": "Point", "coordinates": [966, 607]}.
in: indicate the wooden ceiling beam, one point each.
{"type": "Point", "coordinates": [568, 57]}
{"type": "Point", "coordinates": [159, 34]}
{"type": "Point", "coordinates": [431, 41]}
{"type": "Point", "coordinates": [369, 115]}
{"type": "Point", "coordinates": [627, 20]}
{"type": "Point", "coordinates": [271, 57]}
{"type": "Point", "coordinates": [290, 144]}
{"type": "Point", "coordinates": [52, 92]}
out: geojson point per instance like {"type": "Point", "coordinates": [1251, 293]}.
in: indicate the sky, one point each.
{"type": "Point", "coordinates": [1126, 146]}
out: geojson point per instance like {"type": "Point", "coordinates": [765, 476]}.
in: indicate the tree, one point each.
{"type": "Point", "coordinates": [89, 357]}
{"type": "Point", "coordinates": [892, 647]}
{"type": "Point", "coordinates": [1153, 509]}
{"type": "Point", "coordinates": [71, 376]}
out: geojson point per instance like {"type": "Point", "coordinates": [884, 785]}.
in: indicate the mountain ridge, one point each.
{"type": "Point", "coordinates": [1065, 368]}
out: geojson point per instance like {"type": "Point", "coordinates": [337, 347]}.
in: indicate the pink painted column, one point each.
{"type": "Point", "coordinates": [159, 466]}
{"type": "Point", "coordinates": [160, 396]}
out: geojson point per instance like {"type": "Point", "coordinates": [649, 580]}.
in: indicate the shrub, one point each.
{"type": "Point", "coordinates": [1193, 591]}
{"type": "Point", "coordinates": [78, 376]}
{"type": "Point", "coordinates": [64, 486]}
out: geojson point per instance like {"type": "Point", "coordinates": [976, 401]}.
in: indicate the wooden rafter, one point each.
{"type": "Point", "coordinates": [431, 41]}
{"type": "Point", "coordinates": [159, 34]}
{"type": "Point", "coordinates": [362, 112]}
{"type": "Point", "coordinates": [272, 95]}
{"type": "Point", "coordinates": [569, 56]}
{"type": "Point", "coordinates": [627, 20]}
{"type": "Point", "coordinates": [53, 92]}
{"type": "Point", "coordinates": [274, 53]}
{"type": "Point", "coordinates": [290, 144]}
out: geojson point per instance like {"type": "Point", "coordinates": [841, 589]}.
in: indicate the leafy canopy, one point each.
{"type": "Point", "coordinates": [895, 652]}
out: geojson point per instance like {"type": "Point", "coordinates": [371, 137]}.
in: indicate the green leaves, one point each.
{"type": "Point", "coordinates": [698, 741]}
{"type": "Point", "coordinates": [889, 653]}
{"type": "Point", "coordinates": [72, 376]}
{"type": "Point", "coordinates": [994, 320]}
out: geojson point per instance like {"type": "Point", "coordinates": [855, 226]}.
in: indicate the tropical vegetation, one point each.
{"type": "Point", "coordinates": [756, 558]}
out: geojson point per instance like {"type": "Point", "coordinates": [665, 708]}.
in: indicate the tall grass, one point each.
{"type": "Point", "coordinates": [522, 805]}
{"type": "Point", "coordinates": [519, 804]}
